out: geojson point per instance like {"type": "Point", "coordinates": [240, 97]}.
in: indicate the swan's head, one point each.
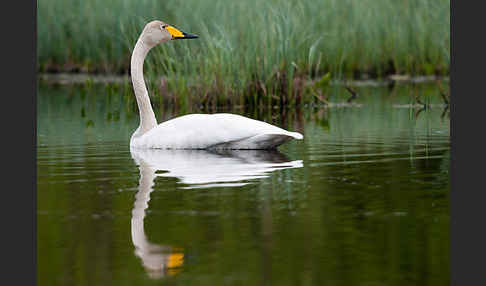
{"type": "Point", "coordinates": [157, 32]}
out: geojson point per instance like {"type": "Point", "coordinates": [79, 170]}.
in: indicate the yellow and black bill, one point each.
{"type": "Point", "coordinates": [178, 34]}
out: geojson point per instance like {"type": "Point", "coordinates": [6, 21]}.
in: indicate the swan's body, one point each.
{"type": "Point", "coordinates": [194, 131]}
{"type": "Point", "coordinates": [209, 131]}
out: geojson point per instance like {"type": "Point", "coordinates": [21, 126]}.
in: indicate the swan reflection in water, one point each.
{"type": "Point", "coordinates": [194, 169]}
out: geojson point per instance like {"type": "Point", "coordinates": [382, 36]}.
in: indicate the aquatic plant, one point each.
{"type": "Point", "coordinates": [249, 52]}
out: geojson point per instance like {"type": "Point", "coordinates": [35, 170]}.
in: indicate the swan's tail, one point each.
{"type": "Point", "coordinates": [296, 135]}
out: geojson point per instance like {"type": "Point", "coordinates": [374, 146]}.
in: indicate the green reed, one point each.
{"type": "Point", "coordinates": [248, 51]}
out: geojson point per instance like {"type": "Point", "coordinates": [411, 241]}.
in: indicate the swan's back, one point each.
{"type": "Point", "coordinates": [214, 131]}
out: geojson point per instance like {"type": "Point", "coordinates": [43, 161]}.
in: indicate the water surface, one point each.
{"type": "Point", "coordinates": [363, 200]}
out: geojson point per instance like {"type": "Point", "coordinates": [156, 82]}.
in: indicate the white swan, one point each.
{"type": "Point", "coordinates": [193, 131]}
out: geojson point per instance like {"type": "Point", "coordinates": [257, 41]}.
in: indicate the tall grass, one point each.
{"type": "Point", "coordinates": [251, 47]}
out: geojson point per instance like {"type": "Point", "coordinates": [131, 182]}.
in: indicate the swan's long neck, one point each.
{"type": "Point", "coordinates": [147, 116]}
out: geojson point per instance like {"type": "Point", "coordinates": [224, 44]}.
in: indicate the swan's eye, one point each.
{"type": "Point", "coordinates": [163, 26]}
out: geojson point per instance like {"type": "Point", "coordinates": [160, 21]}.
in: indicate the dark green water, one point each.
{"type": "Point", "coordinates": [363, 200]}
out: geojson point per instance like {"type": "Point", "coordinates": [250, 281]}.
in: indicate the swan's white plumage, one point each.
{"type": "Point", "coordinates": [194, 131]}
{"type": "Point", "coordinates": [206, 131]}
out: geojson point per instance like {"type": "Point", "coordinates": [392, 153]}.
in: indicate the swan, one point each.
{"type": "Point", "coordinates": [192, 131]}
